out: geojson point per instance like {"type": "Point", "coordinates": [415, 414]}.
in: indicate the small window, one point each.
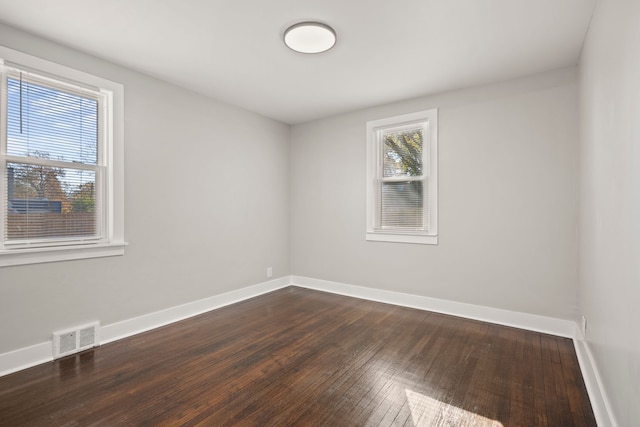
{"type": "Point", "coordinates": [56, 156]}
{"type": "Point", "coordinates": [402, 178]}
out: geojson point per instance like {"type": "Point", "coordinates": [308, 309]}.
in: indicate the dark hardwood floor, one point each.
{"type": "Point", "coordinates": [301, 357]}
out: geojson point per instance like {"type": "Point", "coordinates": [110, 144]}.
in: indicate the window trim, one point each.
{"type": "Point", "coordinates": [374, 148]}
{"type": "Point", "coordinates": [113, 242]}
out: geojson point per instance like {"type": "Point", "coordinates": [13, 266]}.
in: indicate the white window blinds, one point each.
{"type": "Point", "coordinates": [402, 179]}
{"type": "Point", "coordinates": [52, 160]}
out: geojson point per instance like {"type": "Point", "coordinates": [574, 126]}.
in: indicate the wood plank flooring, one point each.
{"type": "Point", "coordinates": [297, 357]}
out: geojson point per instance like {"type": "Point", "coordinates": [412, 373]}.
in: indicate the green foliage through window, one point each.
{"type": "Point", "coordinates": [402, 153]}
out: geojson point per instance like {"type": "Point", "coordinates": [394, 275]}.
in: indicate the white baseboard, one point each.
{"type": "Point", "coordinates": [532, 322]}
{"type": "Point", "coordinates": [129, 327]}
{"type": "Point", "coordinates": [599, 401]}
{"type": "Point", "coordinates": [41, 353]}
{"type": "Point", "coordinates": [25, 357]}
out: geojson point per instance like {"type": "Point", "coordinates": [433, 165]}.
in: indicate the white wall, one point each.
{"type": "Point", "coordinates": [508, 200]}
{"type": "Point", "coordinates": [207, 210]}
{"type": "Point", "coordinates": [610, 202]}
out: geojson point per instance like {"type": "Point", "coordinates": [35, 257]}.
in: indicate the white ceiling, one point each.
{"type": "Point", "coordinates": [232, 50]}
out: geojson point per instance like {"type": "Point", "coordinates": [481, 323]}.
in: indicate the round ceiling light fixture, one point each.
{"type": "Point", "coordinates": [310, 37]}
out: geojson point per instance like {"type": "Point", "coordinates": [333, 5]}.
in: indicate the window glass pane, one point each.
{"type": "Point", "coordinates": [402, 205]}
{"type": "Point", "coordinates": [49, 123]}
{"type": "Point", "coordinates": [402, 153]}
{"type": "Point", "coordinates": [46, 202]}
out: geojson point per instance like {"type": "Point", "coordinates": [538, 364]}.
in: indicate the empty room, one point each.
{"type": "Point", "coordinates": [320, 213]}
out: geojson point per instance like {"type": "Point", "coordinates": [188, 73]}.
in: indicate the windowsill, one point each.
{"type": "Point", "coordinates": [402, 238]}
{"type": "Point", "coordinates": [9, 257]}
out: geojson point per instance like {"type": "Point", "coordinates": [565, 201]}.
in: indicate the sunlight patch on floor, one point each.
{"type": "Point", "coordinates": [428, 412]}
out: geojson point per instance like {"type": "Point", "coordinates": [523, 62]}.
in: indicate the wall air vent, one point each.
{"type": "Point", "coordinates": [75, 340]}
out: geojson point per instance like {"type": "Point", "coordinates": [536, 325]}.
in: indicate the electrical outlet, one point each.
{"type": "Point", "coordinates": [269, 272]}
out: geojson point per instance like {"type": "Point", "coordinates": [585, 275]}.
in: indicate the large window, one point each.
{"type": "Point", "coordinates": [402, 178]}
{"type": "Point", "coordinates": [60, 199]}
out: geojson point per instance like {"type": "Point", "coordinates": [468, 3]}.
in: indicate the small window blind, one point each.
{"type": "Point", "coordinates": [402, 179]}
{"type": "Point", "coordinates": [52, 160]}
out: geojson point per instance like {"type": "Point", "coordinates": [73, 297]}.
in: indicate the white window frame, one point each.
{"type": "Point", "coordinates": [429, 235]}
{"type": "Point", "coordinates": [111, 235]}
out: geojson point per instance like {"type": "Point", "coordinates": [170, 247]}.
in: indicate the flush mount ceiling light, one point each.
{"type": "Point", "coordinates": [310, 37]}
